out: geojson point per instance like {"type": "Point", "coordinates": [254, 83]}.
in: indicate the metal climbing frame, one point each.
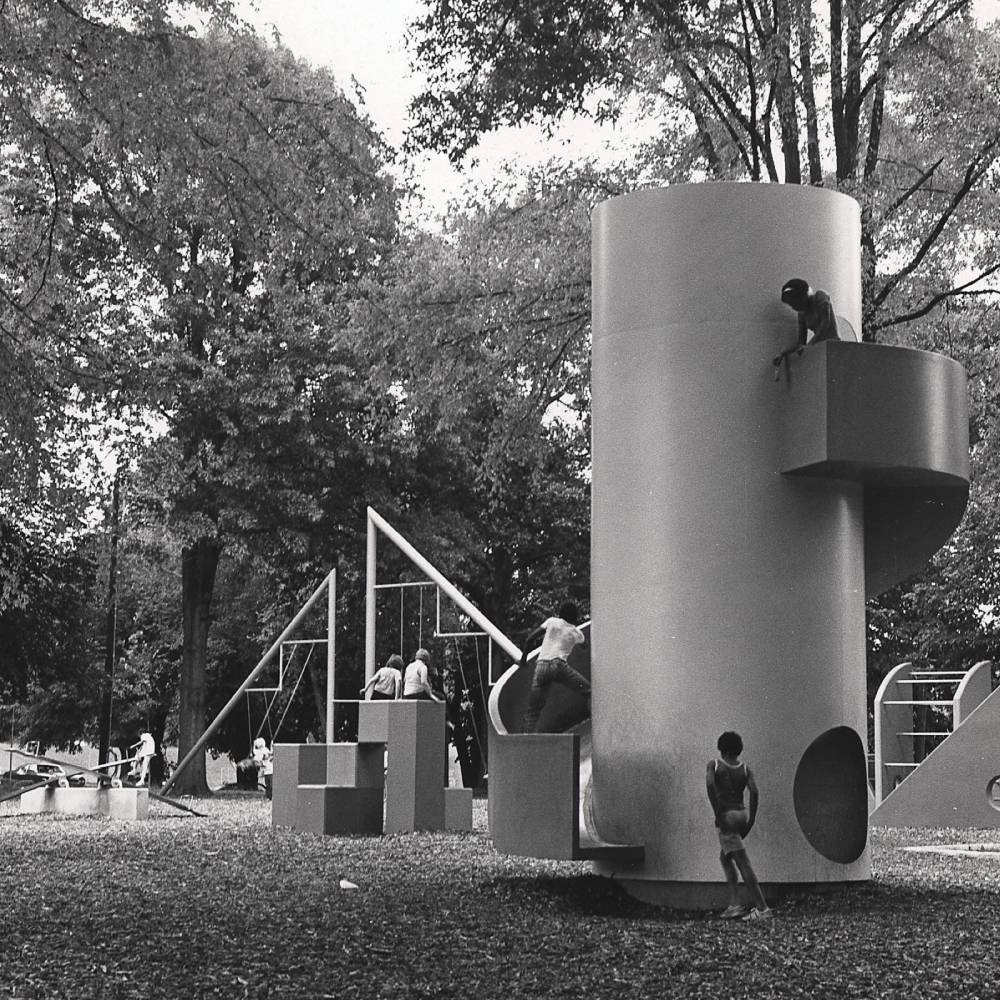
{"type": "Point", "coordinates": [377, 524]}
{"type": "Point", "coordinates": [328, 586]}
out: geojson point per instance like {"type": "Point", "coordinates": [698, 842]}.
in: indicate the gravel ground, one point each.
{"type": "Point", "coordinates": [183, 907]}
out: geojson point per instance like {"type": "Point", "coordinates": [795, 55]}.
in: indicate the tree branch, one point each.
{"type": "Point", "coordinates": [935, 300]}
{"type": "Point", "coordinates": [910, 191]}
{"type": "Point", "coordinates": [981, 162]}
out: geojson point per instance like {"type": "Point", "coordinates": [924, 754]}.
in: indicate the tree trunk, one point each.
{"type": "Point", "coordinates": [199, 562]}
{"type": "Point", "coordinates": [852, 89]}
{"type": "Point", "coordinates": [869, 269]}
{"type": "Point", "coordinates": [785, 89]}
{"type": "Point", "coordinates": [878, 102]}
{"type": "Point", "coordinates": [837, 85]}
{"type": "Point", "coordinates": [805, 31]}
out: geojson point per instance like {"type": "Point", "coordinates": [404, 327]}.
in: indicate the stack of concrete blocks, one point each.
{"type": "Point", "coordinates": [114, 803]}
{"type": "Point", "coordinates": [338, 788]}
{"type": "Point", "coordinates": [328, 787]}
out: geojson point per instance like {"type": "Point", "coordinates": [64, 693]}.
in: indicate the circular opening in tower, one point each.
{"type": "Point", "coordinates": [830, 795]}
{"type": "Point", "coordinates": [993, 793]}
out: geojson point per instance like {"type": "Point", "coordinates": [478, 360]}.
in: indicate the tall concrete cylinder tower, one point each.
{"type": "Point", "coordinates": [726, 593]}
{"type": "Point", "coordinates": [739, 523]}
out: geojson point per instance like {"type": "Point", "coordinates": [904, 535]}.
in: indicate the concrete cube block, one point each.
{"type": "Point", "coordinates": [326, 809]}
{"type": "Point", "coordinates": [285, 784]}
{"type": "Point", "coordinates": [414, 784]}
{"type": "Point", "coordinates": [341, 764]}
{"type": "Point", "coordinates": [355, 765]}
{"type": "Point", "coordinates": [458, 809]}
{"type": "Point", "coordinates": [374, 722]}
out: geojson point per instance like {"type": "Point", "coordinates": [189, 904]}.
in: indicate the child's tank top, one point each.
{"type": "Point", "coordinates": [730, 782]}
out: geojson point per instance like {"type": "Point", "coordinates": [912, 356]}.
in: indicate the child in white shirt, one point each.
{"type": "Point", "coordinates": [416, 683]}
{"type": "Point", "coordinates": [560, 637]}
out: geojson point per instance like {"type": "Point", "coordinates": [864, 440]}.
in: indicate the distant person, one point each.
{"type": "Point", "coordinates": [145, 751]}
{"type": "Point", "coordinates": [726, 780]}
{"type": "Point", "coordinates": [416, 680]}
{"type": "Point", "coordinates": [560, 636]}
{"type": "Point", "coordinates": [387, 682]}
{"type": "Point", "coordinates": [264, 759]}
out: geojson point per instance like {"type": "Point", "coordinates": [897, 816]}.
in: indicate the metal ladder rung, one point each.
{"type": "Point", "coordinates": [930, 680]}
{"type": "Point", "coordinates": [934, 732]}
{"type": "Point", "coordinates": [901, 763]}
{"type": "Point", "coordinates": [939, 673]}
{"type": "Point", "coordinates": [950, 703]}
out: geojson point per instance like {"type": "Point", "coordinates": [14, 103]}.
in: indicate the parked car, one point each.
{"type": "Point", "coordinates": [36, 771]}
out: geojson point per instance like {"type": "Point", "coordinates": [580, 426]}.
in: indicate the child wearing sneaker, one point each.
{"type": "Point", "coordinates": [726, 780]}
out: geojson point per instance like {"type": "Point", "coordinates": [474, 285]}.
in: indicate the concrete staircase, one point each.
{"type": "Point", "coordinates": [952, 785]}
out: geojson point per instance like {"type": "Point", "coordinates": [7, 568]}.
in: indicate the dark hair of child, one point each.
{"type": "Point", "coordinates": [568, 612]}
{"type": "Point", "coordinates": [730, 744]}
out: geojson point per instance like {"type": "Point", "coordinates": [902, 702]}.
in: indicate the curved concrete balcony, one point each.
{"type": "Point", "coordinates": [896, 420]}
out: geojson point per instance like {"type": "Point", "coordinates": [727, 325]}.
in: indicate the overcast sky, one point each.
{"type": "Point", "coordinates": [364, 39]}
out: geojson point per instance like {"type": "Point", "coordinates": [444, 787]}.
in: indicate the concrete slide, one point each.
{"type": "Point", "coordinates": [540, 783]}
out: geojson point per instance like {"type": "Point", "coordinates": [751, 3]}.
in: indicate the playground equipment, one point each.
{"type": "Point", "coordinates": [547, 774]}
{"type": "Point", "coordinates": [57, 780]}
{"type": "Point", "coordinates": [335, 787]}
{"type": "Point", "coordinates": [339, 788]}
{"type": "Point", "coordinates": [738, 525]}
{"type": "Point", "coordinates": [114, 803]}
{"type": "Point", "coordinates": [954, 784]}
{"type": "Point", "coordinates": [106, 799]}
{"type": "Point", "coordinates": [329, 588]}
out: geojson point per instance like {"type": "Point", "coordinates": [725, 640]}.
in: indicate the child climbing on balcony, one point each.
{"type": "Point", "coordinates": [726, 780]}
{"type": "Point", "coordinates": [560, 636]}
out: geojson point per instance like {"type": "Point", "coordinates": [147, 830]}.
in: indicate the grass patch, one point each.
{"type": "Point", "coordinates": [224, 907]}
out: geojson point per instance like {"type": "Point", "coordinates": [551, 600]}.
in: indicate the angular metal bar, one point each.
{"type": "Point", "coordinates": [377, 521]}
{"type": "Point", "coordinates": [229, 705]}
{"type": "Point", "coordinates": [331, 651]}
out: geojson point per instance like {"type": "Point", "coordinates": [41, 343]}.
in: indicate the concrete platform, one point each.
{"type": "Point", "coordinates": [114, 803]}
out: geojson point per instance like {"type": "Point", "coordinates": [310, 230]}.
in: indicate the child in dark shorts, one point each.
{"type": "Point", "coordinates": [726, 780]}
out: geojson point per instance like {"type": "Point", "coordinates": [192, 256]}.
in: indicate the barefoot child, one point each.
{"type": "Point", "coordinates": [726, 780]}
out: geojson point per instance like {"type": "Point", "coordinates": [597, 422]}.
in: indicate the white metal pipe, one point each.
{"type": "Point", "coordinates": [228, 707]}
{"type": "Point", "coordinates": [452, 592]}
{"type": "Point", "coordinates": [331, 651]}
{"type": "Point", "coordinates": [370, 570]}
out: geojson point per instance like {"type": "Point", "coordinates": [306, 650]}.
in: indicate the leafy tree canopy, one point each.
{"type": "Point", "coordinates": [894, 103]}
{"type": "Point", "coordinates": [505, 62]}
{"type": "Point", "coordinates": [206, 204]}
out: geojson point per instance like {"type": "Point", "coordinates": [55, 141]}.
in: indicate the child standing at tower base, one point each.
{"type": "Point", "coordinates": [726, 780]}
